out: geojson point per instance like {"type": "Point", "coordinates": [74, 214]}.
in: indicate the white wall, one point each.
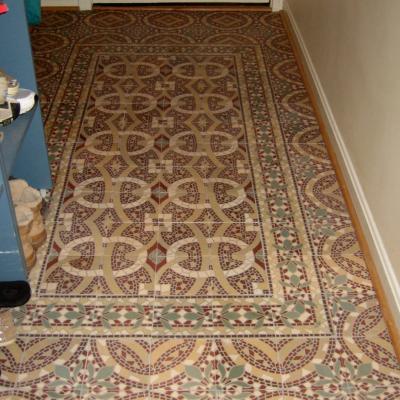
{"type": "Point", "coordinates": [354, 48]}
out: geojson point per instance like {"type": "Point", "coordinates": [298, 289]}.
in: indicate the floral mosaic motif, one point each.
{"type": "Point", "coordinates": [339, 294]}
{"type": "Point", "coordinates": [196, 316]}
{"type": "Point", "coordinates": [347, 382]}
{"type": "Point", "coordinates": [293, 309]}
{"type": "Point", "coordinates": [82, 382]}
{"type": "Point", "coordinates": [46, 317]}
{"type": "Point", "coordinates": [199, 245]}
{"type": "Point", "coordinates": [220, 382]}
{"type": "Point", "coordinates": [18, 314]}
{"type": "Point", "coordinates": [79, 315]}
{"type": "Point", "coordinates": [322, 225]}
{"type": "Point", "coordinates": [227, 316]}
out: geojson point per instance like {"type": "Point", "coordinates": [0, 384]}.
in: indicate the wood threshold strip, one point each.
{"type": "Point", "coordinates": [60, 8]}
{"type": "Point", "coordinates": [168, 7]}
{"type": "Point", "coordinates": [386, 311]}
{"type": "Point", "coordinates": [187, 7]}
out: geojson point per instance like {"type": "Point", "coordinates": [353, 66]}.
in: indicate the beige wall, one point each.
{"type": "Point", "coordinates": [355, 48]}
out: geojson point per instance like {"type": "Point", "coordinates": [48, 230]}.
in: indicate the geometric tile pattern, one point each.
{"type": "Point", "coordinates": [199, 244]}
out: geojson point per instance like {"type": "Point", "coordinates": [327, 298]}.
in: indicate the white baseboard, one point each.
{"type": "Point", "coordinates": [276, 5]}
{"type": "Point", "coordinates": [85, 4]}
{"type": "Point", "coordinates": [384, 267]}
{"type": "Point", "coordinates": [178, 1]}
{"type": "Point", "coordinates": [82, 4]}
{"type": "Point", "coordinates": [60, 3]}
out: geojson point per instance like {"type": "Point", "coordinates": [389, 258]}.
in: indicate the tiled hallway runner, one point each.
{"type": "Point", "coordinates": [199, 245]}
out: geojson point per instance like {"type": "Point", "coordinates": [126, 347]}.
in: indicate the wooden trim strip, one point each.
{"type": "Point", "coordinates": [227, 7]}
{"type": "Point", "coordinates": [60, 8]}
{"type": "Point", "coordinates": [192, 7]}
{"type": "Point", "coordinates": [385, 308]}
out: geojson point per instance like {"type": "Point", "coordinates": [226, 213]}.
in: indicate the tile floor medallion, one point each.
{"type": "Point", "coordinates": [199, 244]}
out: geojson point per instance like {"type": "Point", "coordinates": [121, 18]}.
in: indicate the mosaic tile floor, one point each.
{"type": "Point", "coordinates": [199, 244]}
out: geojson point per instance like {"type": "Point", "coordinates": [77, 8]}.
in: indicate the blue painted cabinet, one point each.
{"type": "Point", "coordinates": [23, 153]}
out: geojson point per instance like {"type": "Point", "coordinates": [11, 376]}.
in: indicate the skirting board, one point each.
{"type": "Point", "coordinates": [383, 266]}
{"type": "Point", "coordinates": [175, 1]}
{"type": "Point", "coordinates": [276, 4]}
{"type": "Point", "coordinates": [59, 3]}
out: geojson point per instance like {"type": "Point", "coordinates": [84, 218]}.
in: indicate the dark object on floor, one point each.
{"type": "Point", "coordinates": [14, 294]}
